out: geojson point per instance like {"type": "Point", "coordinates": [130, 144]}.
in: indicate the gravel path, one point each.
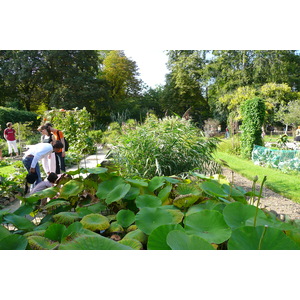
{"type": "Point", "coordinates": [271, 200]}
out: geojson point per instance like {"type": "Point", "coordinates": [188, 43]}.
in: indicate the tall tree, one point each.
{"type": "Point", "coordinates": [121, 73]}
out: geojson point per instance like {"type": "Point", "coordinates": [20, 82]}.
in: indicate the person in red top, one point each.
{"type": "Point", "coordinates": [9, 135]}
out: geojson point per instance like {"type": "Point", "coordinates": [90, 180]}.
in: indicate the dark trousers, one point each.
{"type": "Point", "coordinates": [27, 164]}
{"type": "Point", "coordinates": [60, 163]}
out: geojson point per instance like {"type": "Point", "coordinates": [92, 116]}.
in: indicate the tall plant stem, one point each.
{"type": "Point", "coordinates": [262, 237]}
{"type": "Point", "coordinates": [258, 199]}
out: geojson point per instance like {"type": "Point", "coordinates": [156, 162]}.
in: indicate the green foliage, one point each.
{"type": "Point", "coordinates": [74, 124]}
{"type": "Point", "coordinates": [8, 114]}
{"type": "Point", "coordinates": [253, 113]}
{"type": "Point", "coordinates": [221, 218]}
{"type": "Point", "coordinates": [170, 146]}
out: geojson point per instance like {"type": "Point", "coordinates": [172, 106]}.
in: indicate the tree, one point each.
{"type": "Point", "coordinates": [121, 73]}
{"type": "Point", "coordinates": [288, 114]}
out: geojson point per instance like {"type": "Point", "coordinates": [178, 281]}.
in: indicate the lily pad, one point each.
{"type": "Point", "coordinates": [95, 222]}
{"type": "Point", "coordinates": [125, 217]}
{"type": "Point", "coordinates": [118, 193]}
{"type": "Point", "coordinates": [4, 232]}
{"type": "Point", "coordinates": [185, 201]}
{"type": "Point", "coordinates": [260, 238]}
{"type": "Point", "coordinates": [134, 244]}
{"type": "Point", "coordinates": [158, 238]}
{"type": "Point", "coordinates": [155, 183]}
{"type": "Point", "coordinates": [71, 188]}
{"type": "Point", "coordinates": [97, 170]}
{"type": "Point", "coordinates": [55, 232]}
{"type": "Point", "coordinates": [208, 224]}
{"type": "Point", "coordinates": [179, 240]}
{"type": "Point", "coordinates": [66, 217]}
{"type": "Point", "coordinates": [105, 187]}
{"type": "Point", "coordinates": [238, 214]}
{"type": "Point", "coordinates": [41, 243]}
{"type": "Point", "coordinates": [147, 201]}
{"type": "Point", "coordinates": [53, 204]}
{"type": "Point", "coordinates": [148, 218]}
{"type": "Point", "coordinates": [88, 242]}
{"type": "Point", "coordinates": [13, 242]}
{"type": "Point", "coordinates": [137, 183]}
{"type": "Point", "coordinates": [213, 188]}
{"type": "Point", "coordinates": [20, 222]}
{"type": "Point", "coordinates": [165, 193]}
{"type": "Point", "coordinates": [137, 235]}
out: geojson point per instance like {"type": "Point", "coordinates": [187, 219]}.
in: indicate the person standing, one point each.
{"type": "Point", "coordinates": [9, 135]}
{"type": "Point", "coordinates": [297, 137]}
{"type": "Point", "coordinates": [48, 137]}
{"type": "Point", "coordinates": [39, 152]}
{"type": "Point", "coordinates": [60, 156]}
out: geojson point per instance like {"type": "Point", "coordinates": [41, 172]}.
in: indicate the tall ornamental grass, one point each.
{"type": "Point", "coordinates": [164, 147]}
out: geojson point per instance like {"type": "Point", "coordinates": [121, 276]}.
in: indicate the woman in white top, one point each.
{"type": "Point", "coordinates": [48, 137]}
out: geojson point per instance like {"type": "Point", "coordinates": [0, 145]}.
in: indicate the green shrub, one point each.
{"type": "Point", "coordinates": [170, 146]}
{"type": "Point", "coordinates": [96, 136]}
{"type": "Point", "coordinates": [8, 114]}
{"type": "Point", "coordinates": [75, 124]}
{"type": "Point", "coordinates": [253, 114]}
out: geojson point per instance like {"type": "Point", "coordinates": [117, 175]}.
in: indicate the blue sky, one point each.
{"type": "Point", "coordinates": [151, 64]}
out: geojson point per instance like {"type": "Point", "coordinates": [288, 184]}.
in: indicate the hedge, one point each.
{"type": "Point", "coordinates": [8, 114]}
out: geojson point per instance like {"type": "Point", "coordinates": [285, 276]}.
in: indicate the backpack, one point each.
{"type": "Point", "coordinates": [66, 142]}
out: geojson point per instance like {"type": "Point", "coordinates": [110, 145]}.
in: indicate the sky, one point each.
{"type": "Point", "coordinates": [151, 64]}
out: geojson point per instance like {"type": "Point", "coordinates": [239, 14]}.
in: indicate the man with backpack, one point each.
{"type": "Point", "coordinates": [60, 156]}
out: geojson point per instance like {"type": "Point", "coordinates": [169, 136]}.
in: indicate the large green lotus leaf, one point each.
{"type": "Point", "coordinates": [137, 183]}
{"type": "Point", "coordinates": [71, 188]}
{"type": "Point", "coordinates": [137, 235]}
{"type": "Point", "coordinates": [4, 232]}
{"type": "Point", "coordinates": [97, 170]}
{"type": "Point", "coordinates": [158, 238]}
{"type": "Point", "coordinates": [53, 204]}
{"type": "Point", "coordinates": [125, 217]}
{"type": "Point", "coordinates": [177, 215]}
{"type": "Point", "coordinates": [47, 193]}
{"type": "Point", "coordinates": [209, 204]}
{"type": "Point", "coordinates": [134, 244]}
{"type": "Point", "coordinates": [179, 240]}
{"type": "Point", "coordinates": [30, 199]}
{"type": "Point", "coordinates": [24, 209]}
{"type": "Point", "coordinates": [147, 201]}
{"type": "Point", "coordinates": [97, 207]}
{"type": "Point", "coordinates": [83, 211]}
{"type": "Point", "coordinates": [237, 195]}
{"type": "Point", "coordinates": [13, 242]}
{"type": "Point", "coordinates": [260, 238]}
{"type": "Point", "coordinates": [74, 228]}
{"type": "Point", "coordinates": [20, 222]}
{"type": "Point", "coordinates": [41, 243]}
{"type": "Point", "coordinates": [132, 194]}
{"type": "Point", "coordinates": [55, 232]}
{"type": "Point", "coordinates": [187, 189]}
{"type": "Point", "coordinates": [165, 193]}
{"type": "Point", "coordinates": [237, 214]}
{"type": "Point", "coordinates": [118, 193]}
{"type": "Point", "coordinates": [155, 183]}
{"type": "Point", "coordinates": [66, 217]}
{"type": "Point", "coordinates": [35, 232]}
{"type": "Point", "coordinates": [115, 227]}
{"type": "Point", "coordinates": [95, 222]}
{"type": "Point", "coordinates": [172, 180]}
{"type": "Point", "coordinates": [105, 187]}
{"type": "Point", "coordinates": [44, 225]}
{"type": "Point", "coordinates": [208, 224]}
{"type": "Point", "coordinates": [185, 201]}
{"type": "Point", "coordinates": [89, 242]}
{"type": "Point", "coordinates": [148, 218]}
{"type": "Point", "coordinates": [213, 188]}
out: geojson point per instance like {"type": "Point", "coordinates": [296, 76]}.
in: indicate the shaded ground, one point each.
{"type": "Point", "coordinates": [271, 200]}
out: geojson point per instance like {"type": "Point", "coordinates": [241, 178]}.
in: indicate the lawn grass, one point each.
{"type": "Point", "coordinates": [284, 184]}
